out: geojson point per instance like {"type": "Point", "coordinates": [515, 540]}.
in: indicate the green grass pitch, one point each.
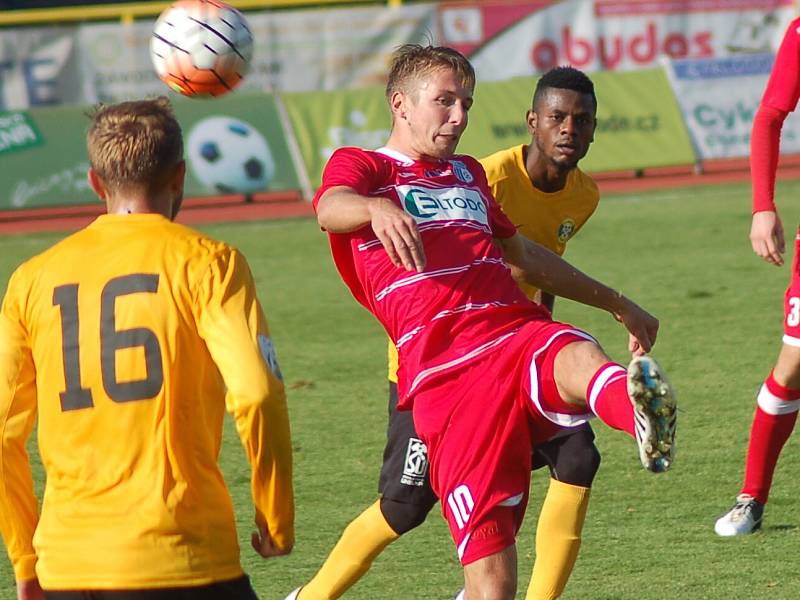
{"type": "Point", "coordinates": [684, 255]}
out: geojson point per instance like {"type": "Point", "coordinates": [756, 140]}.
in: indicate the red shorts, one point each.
{"type": "Point", "coordinates": [791, 301]}
{"type": "Point", "coordinates": [480, 424]}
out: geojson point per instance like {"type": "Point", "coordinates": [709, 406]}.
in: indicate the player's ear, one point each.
{"type": "Point", "coordinates": [397, 102]}
{"type": "Point", "coordinates": [176, 187]}
{"type": "Point", "coordinates": [97, 185]}
{"type": "Point", "coordinates": [531, 118]}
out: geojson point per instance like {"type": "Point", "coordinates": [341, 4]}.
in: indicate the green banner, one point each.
{"type": "Point", "coordinates": [17, 132]}
{"type": "Point", "coordinates": [324, 121]}
{"type": "Point", "coordinates": [639, 122]}
{"type": "Point", "coordinates": [233, 144]}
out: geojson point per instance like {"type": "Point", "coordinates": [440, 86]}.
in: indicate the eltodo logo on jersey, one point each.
{"type": "Point", "coordinates": [443, 204]}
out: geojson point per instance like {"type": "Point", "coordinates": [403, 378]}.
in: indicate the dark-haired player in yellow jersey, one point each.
{"type": "Point", "coordinates": [542, 191]}
{"type": "Point", "coordinates": [128, 341]}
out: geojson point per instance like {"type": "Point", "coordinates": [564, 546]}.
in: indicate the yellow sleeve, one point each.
{"type": "Point", "coordinates": [236, 333]}
{"type": "Point", "coordinates": [19, 512]}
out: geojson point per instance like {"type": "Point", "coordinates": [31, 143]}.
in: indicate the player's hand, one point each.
{"type": "Point", "coordinates": [398, 233]}
{"type": "Point", "coordinates": [263, 543]}
{"type": "Point", "coordinates": [766, 237]}
{"type": "Point", "coordinates": [29, 590]}
{"type": "Point", "coordinates": [641, 325]}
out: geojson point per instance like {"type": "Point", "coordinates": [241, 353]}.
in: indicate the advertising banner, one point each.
{"type": "Point", "coordinates": [509, 39]}
{"type": "Point", "coordinates": [720, 97]}
{"type": "Point", "coordinates": [232, 145]}
{"type": "Point", "coordinates": [324, 121]}
{"type": "Point", "coordinates": [639, 122]}
{"type": "Point", "coordinates": [294, 50]}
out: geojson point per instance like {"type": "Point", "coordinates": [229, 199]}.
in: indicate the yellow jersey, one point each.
{"type": "Point", "coordinates": [550, 219]}
{"type": "Point", "coordinates": [128, 340]}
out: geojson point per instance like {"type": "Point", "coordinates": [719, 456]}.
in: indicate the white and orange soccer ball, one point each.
{"type": "Point", "coordinates": [201, 47]}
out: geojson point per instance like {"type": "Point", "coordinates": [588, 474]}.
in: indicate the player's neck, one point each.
{"type": "Point", "coordinates": [138, 205]}
{"type": "Point", "coordinates": [410, 150]}
{"type": "Point", "coordinates": [544, 176]}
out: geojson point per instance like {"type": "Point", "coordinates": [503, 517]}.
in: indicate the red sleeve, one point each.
{"type": "Point", "coordinates": [780, 98]}
{"type": "Point", "coordinates": [353, 168]}
{"type": "Point", "coordinates": [500, 224]}
{"type": "Point", "coordinates": [783, 87]}
{"type": "Point", "coordinates": [764, 150]}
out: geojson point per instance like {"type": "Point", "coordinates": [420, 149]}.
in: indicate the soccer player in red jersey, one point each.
{"type": "Point", "coordinates": [778, 400]}
{"type": "Point", "coordinates": [124, 344]}
{"type": "Point", "coordinates": [418, 238]}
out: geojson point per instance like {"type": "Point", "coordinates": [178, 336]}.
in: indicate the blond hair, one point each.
{"type": "Point", "coordinates": [412, 62]}
{"type": "Point", "coordinates": [135, 144]}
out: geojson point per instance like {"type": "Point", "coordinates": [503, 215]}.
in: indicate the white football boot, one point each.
{"type": "Point", "coordinates": [745, 517]}
{"type": "Point", "coordinates": [654, 412]}
{"type": "Point", "coordinates": [293, 595]}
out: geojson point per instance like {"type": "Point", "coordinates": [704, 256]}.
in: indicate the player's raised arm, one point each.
{"type": "Point", "coordinates": [235, 330]}
{"type": "Point", "coordinates": [543, 268]}
{"type": "Point", "coordinates": [341, 209]}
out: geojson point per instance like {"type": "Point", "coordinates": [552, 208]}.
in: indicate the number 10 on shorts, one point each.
{"type": "Point", "coordinates": [461, 505]}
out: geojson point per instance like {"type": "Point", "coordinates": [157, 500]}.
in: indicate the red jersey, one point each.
{"type": "Point", "coordinates": [465, 303]}
{"type": "Point", "coordinates": [780, 98]}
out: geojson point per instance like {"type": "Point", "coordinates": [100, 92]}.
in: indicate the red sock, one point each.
{"type": "Point", "coordinates": [776, 414]}
{"type": "Point", "coordinates": [607, 397]}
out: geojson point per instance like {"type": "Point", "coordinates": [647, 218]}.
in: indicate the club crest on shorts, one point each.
{"type": "Point", "coordinates": [461, 171]}
{"type": "Point", "coordinates": [565, 230]}
{"type": "Point", "coordinates": [416, 464]}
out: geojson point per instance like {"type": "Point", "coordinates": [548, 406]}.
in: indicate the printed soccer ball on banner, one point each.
{"type": "Point", "coordinates": [230, 156]}
{"type": "Point", "coordinates": [201, 47]}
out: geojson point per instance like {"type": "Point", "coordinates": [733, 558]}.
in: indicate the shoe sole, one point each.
{"type": "Point", "coordinates": [654, 404]}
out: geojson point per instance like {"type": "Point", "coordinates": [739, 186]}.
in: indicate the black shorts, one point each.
{"type": "Point", "coordinates": [233, 589]}
{"type": "Point", "coordinates": [404, 474]}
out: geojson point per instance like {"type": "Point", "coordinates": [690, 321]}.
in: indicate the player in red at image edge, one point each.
{"type": "Point", "coordinates": [778, 400]}
{"type": "Point", "coordinates": [127, 342]}
{"type": "Point", "coordinates": [419, 240]}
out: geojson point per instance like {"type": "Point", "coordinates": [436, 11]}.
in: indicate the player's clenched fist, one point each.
{"type": "Point", "coordinates": [263, 543]}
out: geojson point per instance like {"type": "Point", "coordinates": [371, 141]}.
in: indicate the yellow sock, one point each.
{"type": "Point", "coordinates": [361, 542]}
{"type": "Point", "coordinates": [558, 538]}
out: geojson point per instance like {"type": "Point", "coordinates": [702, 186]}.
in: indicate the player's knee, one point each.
{"type": "Point", "coordinates": [577, 463]}
{"type": "Point", "coordinates": [404, 516]}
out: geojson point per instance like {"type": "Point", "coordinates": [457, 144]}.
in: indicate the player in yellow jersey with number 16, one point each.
{"type": "Point", "coordinates": [128, 340]}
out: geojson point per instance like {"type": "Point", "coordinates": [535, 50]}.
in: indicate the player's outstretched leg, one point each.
{"type": "Point", "coordinates": [655, 413]}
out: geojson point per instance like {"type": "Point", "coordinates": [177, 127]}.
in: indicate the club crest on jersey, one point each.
{"type": "Point", "coordinates": [443, 204]}
{"type": "Point", "coordinates": [565, 230]}
{"type": "Point", "coordinates": [461, 171]}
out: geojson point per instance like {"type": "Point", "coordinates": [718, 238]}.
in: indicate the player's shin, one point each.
{"type": "Point", "coordinates": [607, 397]}
{"type": "Point", "coordinates": [558, 539]}
{"type": "Point", "coordinates": [361, 542]}
{"type": "Point", "coordinates": [773, 422]}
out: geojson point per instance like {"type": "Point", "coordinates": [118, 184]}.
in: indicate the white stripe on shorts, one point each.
{"type": "Point", "coordinates": [561, 419]}
{"type": "Point", "coordinates": [791, 341]}
{"type": "Point", "coordinates": [772, 405]}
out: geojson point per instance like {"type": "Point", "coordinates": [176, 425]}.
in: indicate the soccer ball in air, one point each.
{"type": "Point", "coordinates": [230, 156]}
{"type": "Point", "coordinates": [201, 47]}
